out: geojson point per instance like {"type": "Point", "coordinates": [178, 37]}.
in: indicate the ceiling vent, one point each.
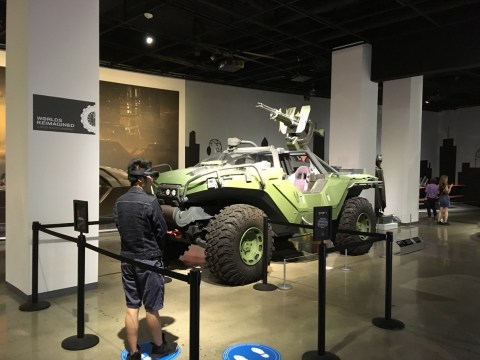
{"type": "Point", "coordinates": [231, 65]}
{"type": "Point", "coordinates": [300, 78]}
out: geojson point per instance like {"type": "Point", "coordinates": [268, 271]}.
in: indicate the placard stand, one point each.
{"type": "Point", "coordinates": [322, 217]}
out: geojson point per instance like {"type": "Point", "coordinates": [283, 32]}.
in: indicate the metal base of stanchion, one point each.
{"type": "Point", "coordinates": [314, 355]}
{"type": "Point", "coordinates": [346, 268]}
{"type": "Point", "coordinates": [388, 324]}
{"type": "Point", "coordinates": [76, 343]}
{"type": "Point", "coordinates": [264, 287]}
{"type": "Point", "coordinates": [40, 305]}
{"type": "Point", "coordinates": [285, 286]}
{"type": "Point", "coordinates": [167, 279]}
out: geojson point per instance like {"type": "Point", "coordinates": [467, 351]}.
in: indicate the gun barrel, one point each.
{"type": "Point", "coordinates": [266, 107]}
{"type": "Point", "coordinates": [278, 115]}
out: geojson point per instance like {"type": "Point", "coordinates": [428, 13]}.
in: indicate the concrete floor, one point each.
{"type": "Point", "coordinates": [435, 294]}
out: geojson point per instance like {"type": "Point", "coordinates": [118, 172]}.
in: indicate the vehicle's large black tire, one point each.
{"type": "Point", "coordinates": [357, 214]}
{"type": "Point", "coordinates": [235, 244]}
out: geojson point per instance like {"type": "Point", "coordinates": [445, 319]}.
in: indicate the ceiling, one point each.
{"type": "Point", "coordinates": [286, 45]}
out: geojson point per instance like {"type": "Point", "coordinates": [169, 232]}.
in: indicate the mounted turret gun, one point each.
{"type": "Point", "coordinates": [293, 125]}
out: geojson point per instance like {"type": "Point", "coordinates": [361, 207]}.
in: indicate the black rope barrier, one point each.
{"type": "Point", "coordinates": [387, 322]}
{"type": "Point", "coordinates": [341, 248]}
{"type": "Point", "coordinates": [81, 340]}
{"type": "Point", "coordinates": [264, 285]}
{"type": "Point", "coordinates": [320, 353]}
{"type": "Point", "coordinates": [194, 279]}
{"type": "Point", "coordinates": [34, 304]}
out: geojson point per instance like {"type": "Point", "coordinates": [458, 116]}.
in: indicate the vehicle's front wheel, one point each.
{"type": "Point", "coordinates": [235, 244]}
{"type": "Point", "coordinates": [356, 215]}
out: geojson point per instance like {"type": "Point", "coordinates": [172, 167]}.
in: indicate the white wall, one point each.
{"type": "Point", "coordinates": [462, 125]}
{"type": "Point", "coordinates": [430, 145]}
{"type": "Point", "coordinates": [219, 112]}
{"type": "Point", "coordinates": [401, 133]}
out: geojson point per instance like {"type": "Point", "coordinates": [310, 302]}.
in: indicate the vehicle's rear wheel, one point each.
{"type": "Point", "coordinates": [357, 215]}
{"type": "Point", "coordinates": [235, 244]}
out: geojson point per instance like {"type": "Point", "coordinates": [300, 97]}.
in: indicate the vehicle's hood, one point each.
{"type": "Point", "coordinates": [181, 176]}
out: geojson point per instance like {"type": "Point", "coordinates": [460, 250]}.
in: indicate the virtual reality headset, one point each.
{"type": "Point", "coordinates": [144, 172]}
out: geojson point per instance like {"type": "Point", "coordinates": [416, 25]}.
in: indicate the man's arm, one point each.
{"type": "Point", "coordinates": [159, 224]}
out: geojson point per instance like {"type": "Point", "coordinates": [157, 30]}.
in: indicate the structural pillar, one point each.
{"type": "Point", "coordinates": [353, 111]}
{"type": "Point", "coordinates": [52, 137]}
{"type": "Point", "coordinates": [401, 145]}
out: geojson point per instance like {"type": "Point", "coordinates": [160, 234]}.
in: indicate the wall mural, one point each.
{"type": "Point", "coordinates": [135, 122]}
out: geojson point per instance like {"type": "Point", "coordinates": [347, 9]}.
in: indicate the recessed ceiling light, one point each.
{"type": "Point", "coordinates": [149, 39]}
{"type": "Point", "coordinates": [148, 15]}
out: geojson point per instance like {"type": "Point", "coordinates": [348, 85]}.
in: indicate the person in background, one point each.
{"type": "Point", "coordinates": [431, 191]}
{"type": "Point", "coordinates": [142, 228]}
{"type": "Point", "coordinates": [444, 200]}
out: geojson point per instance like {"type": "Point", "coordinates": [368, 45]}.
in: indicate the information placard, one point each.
{"type": "Point", "coordinates": [322, 227]}
{"type": "Point", "coordinates": [80, 216]}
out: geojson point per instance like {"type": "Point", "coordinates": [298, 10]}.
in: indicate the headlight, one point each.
{"type": "Point", "coordinates": [168, 191]}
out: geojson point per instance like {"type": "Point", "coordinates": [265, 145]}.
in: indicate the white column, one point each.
{"type": "Point", "coordinates": [353, 111]}
{"type": "Point", "coordinates": [53, 50]}
{"type": "Point", "coordinates": [401, 138]}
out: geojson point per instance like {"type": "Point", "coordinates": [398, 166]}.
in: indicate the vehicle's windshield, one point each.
{"type": "Point", "coordinates": [292, 161]}
{"type": "Point", "coordinates": [216, 159]}
{"type": "Point", "coordinates": [233, 158]}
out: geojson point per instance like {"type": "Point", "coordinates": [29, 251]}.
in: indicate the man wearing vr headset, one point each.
{"type": "Point", "coordinates": [142, 228]}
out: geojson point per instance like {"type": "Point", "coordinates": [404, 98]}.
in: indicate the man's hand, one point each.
{"type": "Point", "coordinates": [175, 233]}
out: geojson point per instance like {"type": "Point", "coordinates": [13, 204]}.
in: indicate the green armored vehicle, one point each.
{"type": "Point", "coordinates": [220, 203]}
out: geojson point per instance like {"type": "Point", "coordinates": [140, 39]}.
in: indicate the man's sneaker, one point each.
{"type": "Point", "coordinates": [163, 350]}
{"type": "Point", "coordinates": [135, 356]}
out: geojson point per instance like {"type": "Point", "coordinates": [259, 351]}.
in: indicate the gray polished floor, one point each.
{"type": "Point", "coordinates": [436, 293]}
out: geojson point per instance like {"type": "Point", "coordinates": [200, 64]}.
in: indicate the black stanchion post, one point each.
{"type": "Point", "coordinates": [35, 305]}
{"type": "Point", "coordinates": [194, 278]}
{"type": "Point", "coordinates": [321, 354]}
{"type": "Point", "coordinates": [387, 322]}
{"type": "Point", "coordinates": [264, 285]}
{"type": "Point", "coordinates": [80, 341]}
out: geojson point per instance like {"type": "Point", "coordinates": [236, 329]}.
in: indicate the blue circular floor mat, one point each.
{"type": "Point", "coordinates": [251, 352]}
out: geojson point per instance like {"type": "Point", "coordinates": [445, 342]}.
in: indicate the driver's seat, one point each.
{"type": "Point", "coordinates": [302, 178]}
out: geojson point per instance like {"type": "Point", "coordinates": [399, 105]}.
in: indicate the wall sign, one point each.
{"type": "Point", "coordinates": [64, 115]}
